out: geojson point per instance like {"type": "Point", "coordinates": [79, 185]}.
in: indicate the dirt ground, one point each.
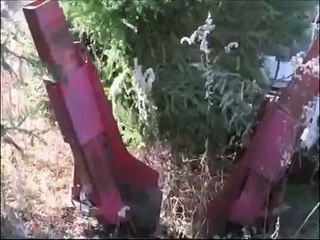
{"type": "Point", "coordinates": [36, 174]}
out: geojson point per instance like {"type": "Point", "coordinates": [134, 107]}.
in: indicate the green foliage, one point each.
{"type": "Point", "coordinates": [150, 30]}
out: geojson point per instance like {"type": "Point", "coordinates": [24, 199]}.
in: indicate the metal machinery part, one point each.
{"type": "Point", "coordinates": [254, 187]}
{"type": "Point", "coordinates": [112, 185]}
{"type": "Point", "coordinates": [109, 183]}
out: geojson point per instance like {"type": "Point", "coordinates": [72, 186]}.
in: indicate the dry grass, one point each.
{"type": "Point", "coordinates": [36, 164]}
{"type": "Point", "coordinates": [35, 183]}
{"type": "Point", "coordinates": [184, 191]}
{"type": "Point", "coordinates": [36, 178]}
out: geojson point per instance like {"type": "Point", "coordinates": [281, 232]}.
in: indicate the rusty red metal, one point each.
{"type": "Point", "coordinates": [105, 171]}
{"type": "Point", "coordinates": [254, 184]}
{"type": "Point", "coordinates": [112, 178]}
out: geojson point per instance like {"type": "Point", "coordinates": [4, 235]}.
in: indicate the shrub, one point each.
{"type": "Point", "coordinates": [230, 79]}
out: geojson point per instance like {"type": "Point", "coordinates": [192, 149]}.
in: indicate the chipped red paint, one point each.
{"type": "Point", "coordinates": [112, 178]}
{"type": "Point", "coordinates": [256, 178]}
{"type": "Point", "coordinates": [109, 175]}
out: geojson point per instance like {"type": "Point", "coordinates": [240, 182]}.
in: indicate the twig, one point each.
{"type": "Point", "coordinates": [7, 139]}
{"type": "Point", "coordinates": [277, 70]}
{"type": "Point", "coordinates": [266, 210]}
{"type": "Point", "coordinates": [32, 134]}
{"type": "Point", "coordinates": [275, 234]}
{"type": "Point", "coordinates": [305, 221]}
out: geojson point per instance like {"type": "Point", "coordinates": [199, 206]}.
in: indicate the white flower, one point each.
{"type": "Point", "coordinates": [186, 39]}
{"type": "Point", "coordinates": [122, 211]}
{"type": "Point", "coordinates": [286, 159]}
{"type": "Point", "coordinates": [231, 45]}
